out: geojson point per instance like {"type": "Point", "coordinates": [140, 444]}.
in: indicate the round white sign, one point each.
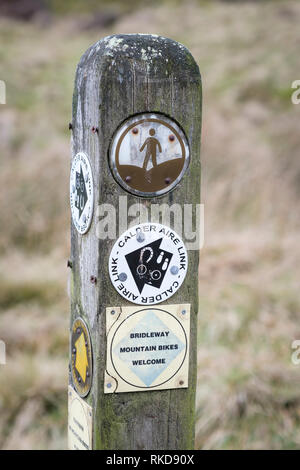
{"type": "Point", "coordinates": [149, 154]}
{"type": "Point", "coordinates": [148, 264]}
{"type": "Point", "coordinates": [81, 192]}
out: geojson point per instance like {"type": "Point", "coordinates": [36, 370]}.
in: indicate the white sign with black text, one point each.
{"type": "Point", "coordinates": [147, 348]}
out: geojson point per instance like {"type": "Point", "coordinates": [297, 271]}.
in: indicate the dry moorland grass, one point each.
{"type": "Point", "coordinates": [248, 393]}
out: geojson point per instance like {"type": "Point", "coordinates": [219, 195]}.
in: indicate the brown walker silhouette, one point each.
{"type": "Point", "coordinates": [151, 144]}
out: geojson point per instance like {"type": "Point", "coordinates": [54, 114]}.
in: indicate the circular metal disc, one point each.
{"type": "Point", "coordinates": [148, 264]}
{"type": "Point", "coordinates": [82, 361]}
{"type": "Point", "coordinates": [81, 192]}
{"type": "Point", "coordinates": [149, 154]}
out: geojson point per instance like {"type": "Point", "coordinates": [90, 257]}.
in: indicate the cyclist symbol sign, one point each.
{"type": "Point", "coordinates": [148, 264]}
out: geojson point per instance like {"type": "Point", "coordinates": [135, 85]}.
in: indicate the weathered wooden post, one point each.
{"type": "Point", "coordinates": [134, 294]}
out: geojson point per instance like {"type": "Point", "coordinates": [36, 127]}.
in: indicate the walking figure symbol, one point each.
{"type": "Point", "coordinates": [151, 143]}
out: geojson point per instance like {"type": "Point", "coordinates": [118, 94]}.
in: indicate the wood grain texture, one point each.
{"type": "Point", "coordinates": [117, 77]}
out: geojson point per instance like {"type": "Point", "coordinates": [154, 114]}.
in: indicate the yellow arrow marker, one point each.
{"type": "Point", "coordinates": [81, 362]}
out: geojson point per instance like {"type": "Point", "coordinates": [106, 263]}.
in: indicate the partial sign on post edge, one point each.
{"type": "Point", "coordinates": [147, 348]}
{"type": "Point", "coordinates": [80, 420]}
{"type": "Point", "coordinates": [81, 192]}
{"type": "Point", "coordinates": [120, 80]}
{"type": "Point", "coordinates": [81, 357]}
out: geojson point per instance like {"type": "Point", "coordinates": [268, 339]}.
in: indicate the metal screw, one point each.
{"type": "Point", "coordinates": [113, 312]}
{"type": "Point", "coordinates": [168, 180]}
{"type": "Point", "coordinates": [87, 373]}
{"type": "Point", "coordinates": [79, 379]}
{"type": "Point", "coordinates": [78, 331]}
{"type": "Point", "coordinates": [69, 264]}
{"type": "Point", "coordinates": [171, 138]}
{"type": "Point", "coordinates": [135, 131]}
{"type": "Point", "coordinates": [95, 129]}
{"type": "Point", "coordinates": [108, 385]}
{"type": "Point", "coordinates": [181, 382]}
{"type": "Point", "coordinates": [174, 270]}
{"type": "Point", "coordinates": [128, 179]}
{"type": "Point", "coordinates": [183, 312]}
{"type": "Point", "coordinates": [93, 279]}
{"type": "Point", "coordinates": [74, 350]}
{"type": "Point", "coordinates": [70, 126]}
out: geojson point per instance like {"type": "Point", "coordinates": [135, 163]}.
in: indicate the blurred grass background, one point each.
{"type": "Point", "coordinates": [248, 52]}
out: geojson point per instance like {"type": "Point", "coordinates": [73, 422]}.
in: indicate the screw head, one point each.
{"type": "Point", "coordinates": [113, 312]}
{"type": "Point", "coordinates": [135, 130]}
{"type": "Point", "coordinates": [183, 312]}
{"type": "Point", "coordinates": [108, 385]}
{"type": "Point", "coordinates": [122, 277]}
{"type": "Point", "coordinates": [128, 179]}
{"type": "Point", "coordinates": [168, 180]}
{"type": "Point", "coordinates": [171, 138]}
{"type": "Point", "coordinates": [181, 382]}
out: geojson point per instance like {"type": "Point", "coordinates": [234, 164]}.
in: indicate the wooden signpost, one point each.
{"type": "Point", "coordinates": [134, 291]}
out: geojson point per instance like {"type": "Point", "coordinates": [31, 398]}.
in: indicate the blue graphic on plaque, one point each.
{"type": "Point", "coordinates": [149, 348]}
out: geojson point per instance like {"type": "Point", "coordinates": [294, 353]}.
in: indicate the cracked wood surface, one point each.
{"type": "Point", "coordinates": [118, 77]}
